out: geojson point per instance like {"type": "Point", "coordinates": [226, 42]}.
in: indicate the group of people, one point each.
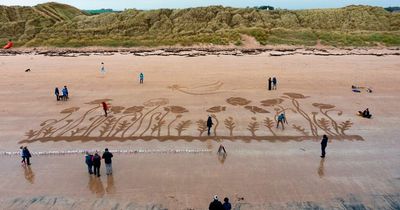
{"type": "Point", "coordinates": [93, 162]}
{"type": "Point", "coordinates": [25, 155]}
{"type": "Point", "coordinates": [272, 83]}
{"type": "Point", "coordinates": [64, 94]}
{"type": "Point", "coordinates": [217, 205]}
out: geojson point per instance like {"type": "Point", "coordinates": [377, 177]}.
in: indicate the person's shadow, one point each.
{"type": "Point", "coordinates": [321, 170]}
{"type": "Point", "coordinates": [110, 189]}
{"type": "Point", "coordinates": [28, 173]}
{"type": "Point", "coordinates": [95, 185]}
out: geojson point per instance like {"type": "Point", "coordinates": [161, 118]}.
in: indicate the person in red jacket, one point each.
{"type": "Point", "coordinates": [9, 44]}
{"type": "Point", "coordinates": [105, 108]}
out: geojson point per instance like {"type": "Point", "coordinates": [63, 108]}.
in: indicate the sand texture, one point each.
{"type": "Point", "coordinates": [164, 158]}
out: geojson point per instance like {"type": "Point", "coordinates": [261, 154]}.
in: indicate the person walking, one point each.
{"type": "Point", "coordinates": [96, 164]}
{"type": "Point", "coordinates": [215, 204]}
{"type": "Point", "coordinates": [209, 124]}
{"type": "Point", "coordinates": [281, 120]}
{"type": "Point", "coordinates": [105, 108]}
{"type": "Point", "coordinates": [107, 160]}
{"type": "Point", "coordinates": [57, 93]}
{"type": "Point", "coordinates": [226, 205]}
{"type": "Point", "coordinates": [269, 83]}
{"type": "Point", "coordinates": [27, 155]}
{"type": "Point", "coordinates": [89, 162]}
{"type": "Point", "coordinates": [102, 69]}
{"type": "Point", "coordinates": [141, 78]}
{"type": "Point", "coordinates": [21, 153]}
{"type": "Point", "coordinates": [324, 144]}
{"type": "Point", "coordinates": [274, 83]}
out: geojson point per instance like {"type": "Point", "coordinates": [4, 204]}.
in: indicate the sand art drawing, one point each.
{"type": "Point", "coordinates": [156, 119]}
{"type": "Point", "coordinates": [200, 89]}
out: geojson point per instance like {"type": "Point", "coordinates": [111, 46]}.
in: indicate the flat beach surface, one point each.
{"type": "Point", "coordinates": [163, 156]}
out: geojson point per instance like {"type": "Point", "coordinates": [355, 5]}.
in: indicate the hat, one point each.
{"type": "Point", "coordinates": [215, 197]}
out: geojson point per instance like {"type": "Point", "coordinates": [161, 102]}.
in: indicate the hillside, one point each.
{"type": "Point", "coordinates": [59, 25]}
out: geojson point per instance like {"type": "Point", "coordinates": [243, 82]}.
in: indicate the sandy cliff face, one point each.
{"type": "Point", "coordinates": [61, 25]}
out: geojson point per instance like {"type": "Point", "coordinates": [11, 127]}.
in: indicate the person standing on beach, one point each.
{"type": "Point", "coordinates": [27, 155]}
{"type": "Point", "coordinates": [281, 120]}
{"type": "Point", "coordinates": [65, 92]}
{"type": "Point", "coordinates": [102, 69]}
{"type": "Point", "coordinates": [21, 153]}
{"type": "Point", "coordinates": [324, 144]}
{"type": "Point", "coordinates": [274, 83]}
{"type": "Point", "coordinates": [89, 162]}
{"type": "Point", "coordinates": [107, 160]}
{"type": "Point", "coordinates": [96, 164]}
{"type": "Point", "coordinates": [269, 83]}
{"type": "Point", "coordinates": [105, 108]}
{"type": "Point", "coordinates": [141, 78]}
{"type": "Point", "coordinates": [209, 124]}
{"type": "Point", "coordinates": [226, 205]}
{"type": "Point", "coordinates": [57, 93]}
{"type": "Point", "coordinates": [215, 204]}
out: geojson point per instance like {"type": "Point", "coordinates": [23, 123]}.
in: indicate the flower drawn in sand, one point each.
{"type": "Point", "coordinates": [237, 101]}
{"type": "Point", "coordinates": [133, 109]}
{"type": "Point", "coordinates": [323, 106]}
{"type": "Point", "coordinates": [295, 95]}
{"type": "Point", "coordinates": [156, 102]}
{"type": "Point", "coordinates": [69, 110]}
{"type": "Point", "coordinates": [271, 102]}
{"type": "Point", "coordinates": [178, 110]}
{"type": "Point", "coordinates": [256, 109]}
{"type": "Point", "coordinates": [117, 109]}
{"type": "Point", "coordinates": [326, 123]}
{"type": "Point", "coordinates": [216, 109]}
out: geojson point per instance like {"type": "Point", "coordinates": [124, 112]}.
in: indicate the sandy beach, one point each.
{"type": "Point", "coordinates": [163, 156]}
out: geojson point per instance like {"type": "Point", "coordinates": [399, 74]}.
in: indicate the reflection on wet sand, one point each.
{"type": "Point", "coordinates": [28, 173]}
{"type": "Point", "coordinates": [110, 189]}
{"type": "Point", "coordinates": [222, 157]}
{"type": "Point", "coordinates": [321, 170]}
{"type": "Point", "coordinates": [95, 185]}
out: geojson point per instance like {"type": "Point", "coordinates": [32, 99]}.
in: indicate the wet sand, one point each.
{"type": "Point", "coordinates": [266, 172]}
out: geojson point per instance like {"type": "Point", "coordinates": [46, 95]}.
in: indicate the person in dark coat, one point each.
{"type": "Point", "coordinates": [105, 108]}
{"type": "Point", "coordinates": [96, 164]}
{"type": "Point", "coordinates": [215, 204]}
{"type": "Point", "coordinates": [324, 144]}
{"type": "Point", "coordinates": [274, 82]}
{"type": "Point", "coordinates": [107, 160]}
{"type": "Point", "coordinates": [209, 124]}
{"type": "Point", "coordinates": [27, 155]}
{"type": "Point", "coordinates": [89, 162]}
{"type": "Point", "coordinates": [57, 93]}
{"type": "Point", "coordinates": [269, 83]}
{"type": "Point", "coordinates": [227, 205]}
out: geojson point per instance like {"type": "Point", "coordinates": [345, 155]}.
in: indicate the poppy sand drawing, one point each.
{"type": "Point", "coordinates": [156, 119]}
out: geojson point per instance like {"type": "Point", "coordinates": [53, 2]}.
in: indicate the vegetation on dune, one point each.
{"type": "Point", "coordinates": [60, 25]}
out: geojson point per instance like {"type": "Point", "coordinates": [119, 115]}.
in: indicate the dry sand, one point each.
{"type": "Point", "coordinates": [261, 170]}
